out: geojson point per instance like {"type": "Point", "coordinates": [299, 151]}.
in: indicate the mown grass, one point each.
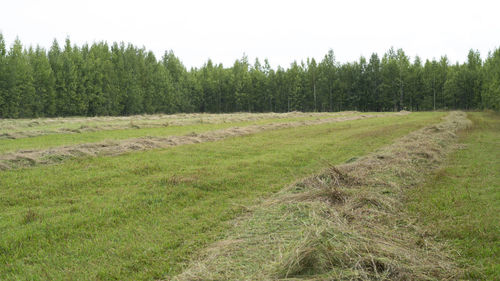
{"type": "Point", "coordinates": [141, 215]}
{"type": "Point", "coordinates": [461, 202]}
{"type": "Point", "coordinates": [344, 223]}
{"type": "Point", "coordinates": [62, 139]}
{"type": "Point", "coordinates": [61, 124]}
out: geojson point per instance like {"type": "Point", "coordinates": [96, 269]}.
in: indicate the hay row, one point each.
{"type": "Point", "coordinates": [24, 158]}
{"type": "Point", "coordinates": [346, 223]}
{"type": "Point", "coordinates": [24, 128]}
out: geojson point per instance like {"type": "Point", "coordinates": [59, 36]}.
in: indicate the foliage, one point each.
{"type": "Point", "coordinates": [123, 79]}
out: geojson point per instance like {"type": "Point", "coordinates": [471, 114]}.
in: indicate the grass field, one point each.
{"type": "Point", "coordinates": [144, 215]}
{"type": "Point", "coordinates": [461, 202]}
{"type": "Point", "coordinates": [116, 132]}
{"type": "Point", "coordinates": [19, 128]}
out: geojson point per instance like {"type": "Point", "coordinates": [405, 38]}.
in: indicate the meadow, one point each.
{"type": "Point", "coordinates": [148, 214]}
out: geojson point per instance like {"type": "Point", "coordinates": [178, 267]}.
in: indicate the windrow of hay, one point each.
{"type": "Point", "coordinates": [346, 223]}
{"type": "Point", "coordinates": [24, 158]}
{"type": "Point", "coordinates": [22, 128]}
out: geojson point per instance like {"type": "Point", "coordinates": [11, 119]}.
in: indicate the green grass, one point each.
{"type": "Point", "coordinates": [59, 124]}
{"type": "Point", "coordinates": [62, 139]}
{"type": "Point", "coordinates": [461, 201]}
{"type": "Point", "coordinates": [141, 215]}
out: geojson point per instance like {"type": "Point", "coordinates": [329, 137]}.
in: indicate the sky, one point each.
{"type": "Point", "coordinates": [282, 31]}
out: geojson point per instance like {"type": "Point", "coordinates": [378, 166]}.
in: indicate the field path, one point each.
{"type": "Point", "coordinates": [23, 158]}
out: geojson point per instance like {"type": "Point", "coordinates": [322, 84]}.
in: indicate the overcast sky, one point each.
{"type": "Point", "coordinates": [281, 31]}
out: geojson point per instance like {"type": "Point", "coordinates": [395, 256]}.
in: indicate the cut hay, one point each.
{"type": "Point", "coordinates": [346, 223]}
{"type": "Point", "coordinates": [25, 158]}
{"type": "Point", "coordinates": [24, 128]}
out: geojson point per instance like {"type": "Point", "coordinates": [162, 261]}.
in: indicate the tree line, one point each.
{"type": "Point", "coordinates": [122, 79]}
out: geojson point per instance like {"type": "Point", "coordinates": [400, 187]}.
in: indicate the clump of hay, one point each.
{"type": "Point", "coordinates": [30, 217]}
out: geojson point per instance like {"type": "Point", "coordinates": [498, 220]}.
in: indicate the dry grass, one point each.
{"type": "Point", "coordinates": [22, 128]}
{"type": "Point", "coordinates": [24, 158]}
{"type": "Point", "coordinates": [347, 223]}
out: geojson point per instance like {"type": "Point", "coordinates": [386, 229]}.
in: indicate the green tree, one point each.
{"type": "Point", "coordinates": [453, 87]}
{"type": "Point", "coordinates": [327, 81]}
{"type": "Point", "coordinates": [240, 80]}
{"type": "Point", "coordinates": [474, 80]}
{"type": "Point", "coordinates": [415, 92]}
{"type": "Point", "coordinates": [20, 91]}
{"type": "Point", "coordinates": [295, 94]}
{"type": "Point", "coordinates": [44, 84]}
{"type": "Point", "coordinates": [69, 99]}
{"type": "Point", "coordinates": [374, 82]}
{"type": "Point", "coordinates": [3, 79]}
{"type": "Point", "coordinates": [181, 96]}
{"type": "Point", "coordinates": [404, 65]}
{"type": "Point", "coordinates": [122, 80]}
{"type": "Point", "coordinates": [390, 88]}
{"type": "Point", "coordinates": [258, 86]}
{"type": "Point", "coordinates": [491, 86]}
{"type": "Point", "coordinates": [311, 82]}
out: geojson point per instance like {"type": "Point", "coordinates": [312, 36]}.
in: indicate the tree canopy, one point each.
{"type": "Point", "coordinates": [122, 79]}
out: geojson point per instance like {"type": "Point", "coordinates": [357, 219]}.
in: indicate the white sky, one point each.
{"type": "Point", "coordinates": [282, 31]}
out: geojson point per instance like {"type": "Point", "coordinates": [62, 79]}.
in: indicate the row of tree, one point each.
{"type": "Point", "coordinates": [123, 79]}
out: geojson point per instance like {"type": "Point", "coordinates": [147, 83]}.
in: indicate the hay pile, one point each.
{"type": "Point", "coordinates": [346, 223]}
{"type": "Point", "coordinates": [24, 158]}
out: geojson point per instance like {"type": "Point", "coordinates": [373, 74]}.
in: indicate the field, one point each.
{"type": "Point", "coordinates": [463, 198]}
{"type": "Point", "coordinates": [250, 196]}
